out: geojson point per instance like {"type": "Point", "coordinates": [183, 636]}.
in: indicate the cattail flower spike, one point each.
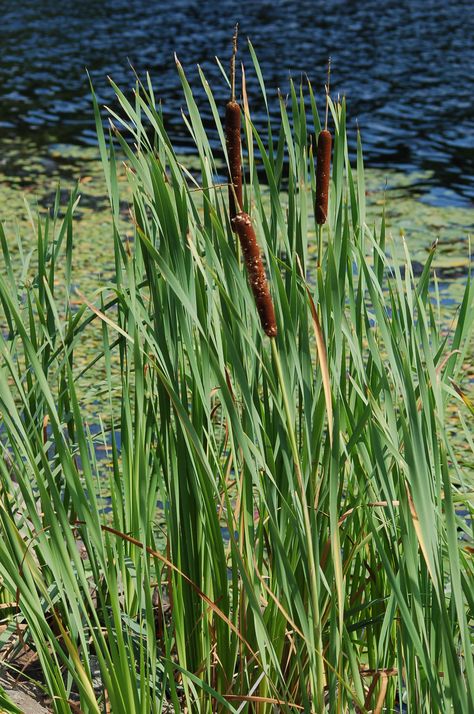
{"type": "Point", "coordinates": [323, 172]}
{"type": "Point", "coordinates": [233, 141]}
{"type": "Point", "coordinates": [256, 272]}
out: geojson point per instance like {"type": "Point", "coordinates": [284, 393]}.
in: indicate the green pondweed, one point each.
{"type": "Point", "coordinates": [282, 515]}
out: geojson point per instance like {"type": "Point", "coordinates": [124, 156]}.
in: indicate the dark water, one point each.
{"type": "Point", "coordinates": [406, 67]}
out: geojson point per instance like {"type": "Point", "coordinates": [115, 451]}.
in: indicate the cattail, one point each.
{"type": "Point", "coordinates": [323, 165]}
{"type": "Point", "coordinates": [233, 142]}
{"type": "Point", "coordinates": [256, 272]}
{"type": "Point", "coordinates": [323, 172]}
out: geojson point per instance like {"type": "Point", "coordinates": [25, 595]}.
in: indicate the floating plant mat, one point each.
{"type": "Point", "coordinates": [404, 198]}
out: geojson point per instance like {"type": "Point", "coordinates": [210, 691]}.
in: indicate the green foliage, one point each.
{"type": "Point", "coordinates": [284, 516]}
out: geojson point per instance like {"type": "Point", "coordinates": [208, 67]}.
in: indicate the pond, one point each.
{"type": "Point", "coordinates": [405, 67]}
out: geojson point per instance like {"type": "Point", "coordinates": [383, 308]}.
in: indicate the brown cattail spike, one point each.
{"type": "Point", "coordinates": [323, 172]}
{"type": "Point", "coordinates": [256, 273]}
{"type": "Point", "coordinates": [323, 164]}
{"type": "Point", "coordinates": [232, 135]}
{"type": "Point", "coordinates": [233, 141]}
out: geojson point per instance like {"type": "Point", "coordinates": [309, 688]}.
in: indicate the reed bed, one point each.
{"type": "Point", "coordinates": [284, 529]}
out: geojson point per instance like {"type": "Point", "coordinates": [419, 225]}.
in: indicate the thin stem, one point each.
{"type": "Point", "coordinates": [327, 94]}
{"type": "Point", "coordinates": [232, 62]}
{"type": "Point", "coordinates": [320, 244]}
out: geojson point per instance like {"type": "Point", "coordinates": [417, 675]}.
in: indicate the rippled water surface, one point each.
{"type": "Point", "coordinates": [406, 68]}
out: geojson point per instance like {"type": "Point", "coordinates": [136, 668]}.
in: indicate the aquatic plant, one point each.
{"type": "Point", "coordinates": [323, 165]}
{"type": "Point", "coordinates": [233, 142]}
{"type": "Point", "coordinates": [256, 272]}
{"type": "Point", "coordinates": [283, 516]}
{"type": "Point", "coordinates": [323, 169]}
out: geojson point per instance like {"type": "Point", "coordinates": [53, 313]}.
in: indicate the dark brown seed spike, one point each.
{"type": "Point", "coordinates": [323, 172]}
{"type": "Point", "coordinates": [233, 140]}
{"type": "Point", "coordinates": [256, 273]}
{"type": "Point", "coordinates": [232, 133]}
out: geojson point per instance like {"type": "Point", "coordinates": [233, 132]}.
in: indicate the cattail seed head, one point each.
{"type": "Point", "coordinates": [323, 172]}
{"type": "Point", "coordinates": [256, 272]}
{"type": "Point", "coordinates": [233, 143]}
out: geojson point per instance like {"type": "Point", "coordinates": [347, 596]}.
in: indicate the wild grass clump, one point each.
{"type": "Point", "coordinates": [283, 526]}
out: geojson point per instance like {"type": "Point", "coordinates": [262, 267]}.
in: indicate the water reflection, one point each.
{"type": "Point", "coordinates": [406, 67]}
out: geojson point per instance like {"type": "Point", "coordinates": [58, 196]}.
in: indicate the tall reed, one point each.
{"type": "Point", "coordinates": [282, 526]}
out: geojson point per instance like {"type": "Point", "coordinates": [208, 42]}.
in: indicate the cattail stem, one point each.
{"type": "Point", "coordinates": [232, 63]}
{"type": "Point", "coordinates": [320, 244]}
{"type": "Point", "coordinates": [256, 273]}
{"type": "Point", "coordinates": [327, 93]}
{"type": "Point", "coordinates": [233, 140]}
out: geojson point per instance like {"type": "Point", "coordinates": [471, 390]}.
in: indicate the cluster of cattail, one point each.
{"type": "Point", "coordinates": [240, 221]}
